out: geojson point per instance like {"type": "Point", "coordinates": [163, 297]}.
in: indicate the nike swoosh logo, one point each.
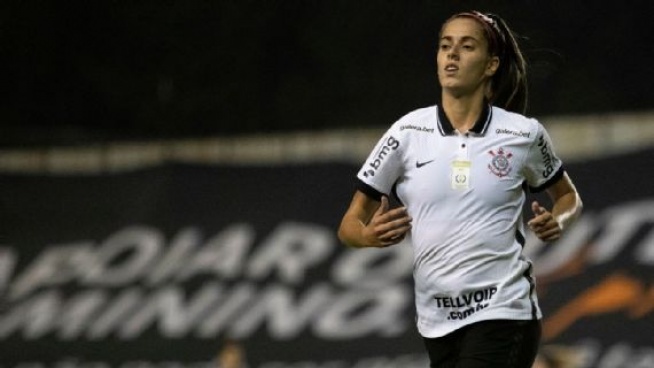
{"type": "Point", "coordinates": [421, 164]}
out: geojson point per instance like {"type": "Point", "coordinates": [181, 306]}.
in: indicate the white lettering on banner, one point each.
{"type": "Point", "coordinates": [167, 307]}
{"type": "Point", "coordinates": [7, 264]}
{"type": "Point", "coordinates": [57, 265]}
{"type": "Point", "coordinates": [646, 251]}
{"type": "Point", "coordinates": [329, 313]}
{"type": "Point", "coordinates": [79, 312]}
{"type": "Point", "coordinates": [373, 268]}
{"type": "Point", "coordinates": [139, 254]}
{"type": "Point", "coordinates": [135, 280]}
{"type": "Point", "coordinates": [384, 314]}
{"type": "Point", "coordinates": [235, 301]}
{"type": "Point", "coordinates": [621, 224]}
{"type": "Point", "coordinates": [177, 257]}
{"type": "Point", "coordinates": [36, 318]}
{"type": "Point", "coordinates": [591, 354]}
{"type": "Point", "coordinates": [286, 318]}
{"type": "Point", "coordinates": [118, 310]}
{"type": "Point", "coordinates": [548, 258]}
{"type": "Point", "coordinates": [291, 249]}
{"type": "Point", "coordinates": [140, 244]}
{"type": "Point", "coordinates": [609, 233]}
{"type": "Point", "coordinates": [629, 357]}
{"type": "Point", "coordinates": [223, 255]}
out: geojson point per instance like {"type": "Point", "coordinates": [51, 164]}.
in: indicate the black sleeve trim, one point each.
{"type": "Point", "coordinates": [368, 190]}
{"type": "Point", "coordinates": [520, 238]}
{"type": "Point", "coordinates": [548, 183]}
{"type": "Point", "coordinates": [397, 197]}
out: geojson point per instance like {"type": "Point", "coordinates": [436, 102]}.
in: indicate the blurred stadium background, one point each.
{"type": "Point", "coordinates": [172, 175]}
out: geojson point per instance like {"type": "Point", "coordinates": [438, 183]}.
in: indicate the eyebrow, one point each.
{"type": "Point", "coordinates": [464, 38]}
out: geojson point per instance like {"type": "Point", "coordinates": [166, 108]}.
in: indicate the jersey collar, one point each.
{"type": "Point", "coordinates": [446, 128]}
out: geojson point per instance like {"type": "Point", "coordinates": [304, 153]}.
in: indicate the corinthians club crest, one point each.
{"type": "Point", "coordinates": [500, 164]}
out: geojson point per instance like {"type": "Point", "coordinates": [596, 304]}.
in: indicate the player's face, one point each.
{"type": "Point", "coordinates": [464, 64]}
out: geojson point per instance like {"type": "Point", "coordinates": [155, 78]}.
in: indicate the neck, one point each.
{"type": "Point", "coordinates": [463, 111]}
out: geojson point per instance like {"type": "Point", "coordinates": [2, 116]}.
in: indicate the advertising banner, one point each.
{"type": "Point", "coordinates": [161, 267]}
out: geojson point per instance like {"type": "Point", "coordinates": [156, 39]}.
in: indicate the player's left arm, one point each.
{"type": "Point", "coordinates": [566, 208]}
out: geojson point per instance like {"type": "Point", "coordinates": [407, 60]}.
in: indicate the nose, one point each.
{"type": "Point", "coordinates": [453, 53]}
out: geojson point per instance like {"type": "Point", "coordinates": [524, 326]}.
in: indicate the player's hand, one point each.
{"type": "Point", "coordinates": [387, 226]}
{"type": "Point", "coordinates": [543, 224]}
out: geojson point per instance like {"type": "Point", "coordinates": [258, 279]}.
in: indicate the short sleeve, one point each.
{"type": "Point", "coordinates": [542, 166]}
{"type": "Point", "coordinates": [384, 164]}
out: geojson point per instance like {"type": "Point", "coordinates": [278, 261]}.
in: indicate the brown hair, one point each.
{"type": "Point", "coordinates": [509, 83]}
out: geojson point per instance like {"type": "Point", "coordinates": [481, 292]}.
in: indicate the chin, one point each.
{"type": "Point", "coordinates": [452, 88]}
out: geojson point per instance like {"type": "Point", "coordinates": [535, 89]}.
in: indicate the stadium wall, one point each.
{"type": "Point", "coordinates": [576, 138]}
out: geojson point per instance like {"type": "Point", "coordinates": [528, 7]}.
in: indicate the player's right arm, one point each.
{"type": "Point", "coordinates": [370, 223]}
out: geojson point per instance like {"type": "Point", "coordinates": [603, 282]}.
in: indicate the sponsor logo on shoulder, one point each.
{"type": "Point", "coordinates": [546, 155]}
{"type": "Point", "coordinates": [390, 145]}
{"type": "Point", "coordinates": [513, 132]}
{"type": "Point", "coordinates": [418, 128]}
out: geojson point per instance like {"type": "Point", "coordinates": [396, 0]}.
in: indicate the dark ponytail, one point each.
{"type": "Point", "coordinates": [509, 83]}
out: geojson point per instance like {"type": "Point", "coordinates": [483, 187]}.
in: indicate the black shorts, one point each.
{"type": "Point", "coordinates": [487, 344]}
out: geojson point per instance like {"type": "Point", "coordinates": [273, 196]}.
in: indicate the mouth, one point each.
{"type": "Point", "coordinates": [451, 68]}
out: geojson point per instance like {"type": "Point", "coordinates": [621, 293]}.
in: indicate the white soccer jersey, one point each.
{"type": "Point", "coordinates": [465, 193]}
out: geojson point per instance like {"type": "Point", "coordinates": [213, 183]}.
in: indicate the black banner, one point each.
{"type": "Point", "coordinates": [158, 267]}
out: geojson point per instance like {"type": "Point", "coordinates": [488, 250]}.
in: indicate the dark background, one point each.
{"type": "Point", "coordinates": [78, 72]}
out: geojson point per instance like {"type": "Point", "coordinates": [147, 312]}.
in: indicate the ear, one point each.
{"type": "Point", "coordinates": [492, 66]}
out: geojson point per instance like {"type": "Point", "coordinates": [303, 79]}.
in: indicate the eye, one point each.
{"type": "Point", "coordinates": [444, 47]}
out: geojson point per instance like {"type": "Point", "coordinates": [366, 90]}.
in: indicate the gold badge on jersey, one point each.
{"type": "Point", "coordinates": [460, 174]}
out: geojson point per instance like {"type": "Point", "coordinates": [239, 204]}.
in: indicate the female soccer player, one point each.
{"type": "Point", "coordinates": [460, 170]}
